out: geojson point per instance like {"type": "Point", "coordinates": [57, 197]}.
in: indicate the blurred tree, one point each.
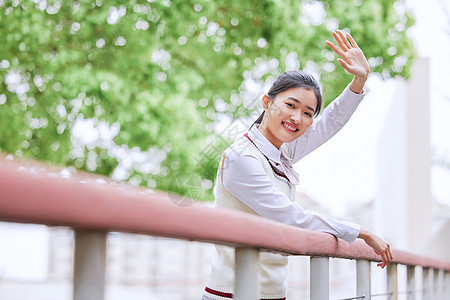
{"type": "Point", "coordinates": [135, 90]}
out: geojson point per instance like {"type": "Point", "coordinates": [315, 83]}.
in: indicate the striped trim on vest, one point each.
{"type": "Point", "coordinates": [230, 295]}
{"type": "Point", "coordinates": [278, 172]}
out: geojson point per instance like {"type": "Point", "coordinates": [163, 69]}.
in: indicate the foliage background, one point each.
{"type": "Point", "coordinates": [143, 91]}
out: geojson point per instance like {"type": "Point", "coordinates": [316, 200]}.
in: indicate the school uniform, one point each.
{"type": "Point", "coordinates": [256, 177]}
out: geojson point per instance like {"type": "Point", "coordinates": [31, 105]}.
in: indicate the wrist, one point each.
{"type": "Point", "coordinates": [357, 84]}
{"type": "Point", "coordinates": [364, 233]}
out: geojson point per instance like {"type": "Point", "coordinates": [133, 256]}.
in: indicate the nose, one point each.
{"type": "Point", "coordinates": [296, 118]}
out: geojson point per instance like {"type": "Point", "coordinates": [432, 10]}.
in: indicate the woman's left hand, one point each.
{"type": "Point", "coordinates": [353, 59]}
{"type": "Point", "coordinates": [380, 247]}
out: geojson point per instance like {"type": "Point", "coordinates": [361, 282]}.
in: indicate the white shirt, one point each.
{"type": "Point", "coordinates": [246, 179]}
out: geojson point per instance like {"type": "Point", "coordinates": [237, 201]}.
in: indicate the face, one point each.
{"type": "Point", "coordinates": [288, 115]}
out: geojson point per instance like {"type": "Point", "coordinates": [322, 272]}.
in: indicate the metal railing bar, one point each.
{"type": "Point", "coordinates": [111, 206]}
{"type": "Point", "coordinates": [363, 282]}
{"type": "Point", "coordinates": [411, 281]}
{"type": "Point", "coordinates": [401, 292]}
{"type": "Point", "coordinates": [383, 294]}
{"type": "Point", "coordinates": [392, 279]}
{"type": "Point", "coordinates": [89, 265]}
{"type": "Point", "coordinates": [246, 273]}
{"type": "Point", "coordinates": [154, 213]}
{"type": "Point", "coordinates": [319, 278]}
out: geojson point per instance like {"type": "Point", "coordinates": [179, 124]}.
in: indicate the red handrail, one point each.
{"type": "Point", "coordinates": [32, 192]}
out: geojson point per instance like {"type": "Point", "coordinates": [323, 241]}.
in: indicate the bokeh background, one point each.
{"type": "Point", "coordinates": [135, 90]}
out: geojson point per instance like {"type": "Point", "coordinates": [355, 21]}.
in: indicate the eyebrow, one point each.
{"type": "Point", "coordinates": [298, 101]}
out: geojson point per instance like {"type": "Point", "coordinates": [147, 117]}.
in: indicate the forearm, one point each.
{"type": "Point", "coordinates": [333, 118]}
{"type": "Point", "coordinates": [246, 179]}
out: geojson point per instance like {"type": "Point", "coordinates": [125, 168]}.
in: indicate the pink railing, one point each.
{"type": "Point", "coordinates": [32, 192]}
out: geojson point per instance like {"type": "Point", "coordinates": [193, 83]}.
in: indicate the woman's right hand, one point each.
{"type": "Point", "coordinates": [378, 245]}
{"type": "Point", "coordinates": [352, 59]}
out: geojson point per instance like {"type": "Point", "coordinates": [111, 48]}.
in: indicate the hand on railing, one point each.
{"type": "Point", "coordinates": [378, 245]}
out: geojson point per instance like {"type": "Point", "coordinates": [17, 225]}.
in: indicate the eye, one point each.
{"type": "Point", "coordinates": [290, 105]}
{"type": "Point", "coordinates": [308, 114]}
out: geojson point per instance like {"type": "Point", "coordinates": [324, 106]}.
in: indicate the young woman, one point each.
{"type": "Point", "coordinates": [255, 174]}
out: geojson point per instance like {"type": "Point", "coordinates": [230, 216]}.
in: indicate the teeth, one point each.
{"type": "Point", "coordinates": [290, 127]}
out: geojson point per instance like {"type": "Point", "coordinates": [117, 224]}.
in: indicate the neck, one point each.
{"type": "Point", "coordinates": [274, 141]}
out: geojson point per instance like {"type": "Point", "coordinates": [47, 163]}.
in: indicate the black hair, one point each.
{"type": "Point", "coordinates": [294, 79]}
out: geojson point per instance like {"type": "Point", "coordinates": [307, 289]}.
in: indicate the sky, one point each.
{"type": "Point", "coordinates": [345, 165]}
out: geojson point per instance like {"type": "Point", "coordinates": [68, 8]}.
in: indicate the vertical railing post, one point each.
{"type": "Point", "coordinates": [246, 274]}
{"type": "Point", "coordinates": [436, 285]}
{"type": "Point", "coordinates": [363, 279]}
{"type": "Point", "coordinates": [411, 282]}
{"type": "Point", "coordinates": [392, 287]}
{"type": "Point", "coordinates": [89, 265]}
{"type": "Point", "coordinates": [426, 288]}
{"type": "Point", "coordinates": [443, 285]}
{"type": "Point", "coordinates": [447, 284]}
{"type": "Point", "coordinates": [319, 278]}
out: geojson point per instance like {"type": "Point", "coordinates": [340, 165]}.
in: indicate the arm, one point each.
{"type": "Point", "coordinates": [246, 179]}
{"type": "Point", "coordinates": [332, 119]}
{"type": "Point", "coordinates": [354, 62]}
{"type": "Point", "coordinates": [340, 110]}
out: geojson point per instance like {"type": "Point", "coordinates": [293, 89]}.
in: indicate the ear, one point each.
{"type": "Point", "coordinates": [265, 102]}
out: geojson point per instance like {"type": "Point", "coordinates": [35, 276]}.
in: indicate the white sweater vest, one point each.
{"type": "Point", "coordinates": [273, 267]}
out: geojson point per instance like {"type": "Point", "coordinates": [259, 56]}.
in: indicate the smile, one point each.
{"type": "Point", "coordinates": [289, 127]}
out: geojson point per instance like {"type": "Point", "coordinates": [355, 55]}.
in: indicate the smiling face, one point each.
{"type": "Point", "coordinates": [288, 115]}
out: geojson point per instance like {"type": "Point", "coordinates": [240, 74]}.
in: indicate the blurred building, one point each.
{"type": "Point", "coordinates": [403, 210]}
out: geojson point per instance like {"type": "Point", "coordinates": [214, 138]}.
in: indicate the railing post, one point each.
{"type": "Point", "coordinates": [436, 285]}
{"type": "Point", "coordinates": [246, 274]}
{"type": "Point", "coordinates": [363, 279]}
{"type": "Point", "coordinates": [426, 288]}
{"type": "Point", "coordinates": [319, 278]}
{"type": "Point", "coordinates": [447, 284]}
{"type": "Point", "coordinates": [411, 282]}
{"type": "Point", "coordinates": [392, 287]}
{"type": "Point", "coordinates": [89, 265]}
{"type": "Point", "coordinates": [442, 285]}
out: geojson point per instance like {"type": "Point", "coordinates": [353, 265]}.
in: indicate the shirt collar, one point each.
{"type": "Point", "coordinates": [266, 147]}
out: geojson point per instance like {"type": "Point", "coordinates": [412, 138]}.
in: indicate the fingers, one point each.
{"type": "Point", "coordinates": [344, 39]}
{"type": "Point", "coordinates": [343, 43]}
{"type": "Point", "coordinates": [352, 41]}
{"type": "Point", "coordinates": [334, 48]}
{"type": "Point", "coordinates": [386, 256]}
{"type": "Point", "coordinates": [390, 253]}
{"type": "Point", "coordinates": [384, 259]}
{"type": "Point", "coordinates": [341, 40]}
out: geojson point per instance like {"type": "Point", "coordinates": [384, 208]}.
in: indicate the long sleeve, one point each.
{"type": "Point", "coordinates": [333, 118]}
{"type": "Point", "coordinates": [246, 179]}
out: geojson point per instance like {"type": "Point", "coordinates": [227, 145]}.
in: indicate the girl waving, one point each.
{"type": "Point", "coordinates": [255, 173]}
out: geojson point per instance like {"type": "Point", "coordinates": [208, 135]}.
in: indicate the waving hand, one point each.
{"type": "Point", "coordinates": [352, 58]}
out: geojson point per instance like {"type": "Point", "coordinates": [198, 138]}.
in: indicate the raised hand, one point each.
{"type": "Point", "coordinates": [353, 59]}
